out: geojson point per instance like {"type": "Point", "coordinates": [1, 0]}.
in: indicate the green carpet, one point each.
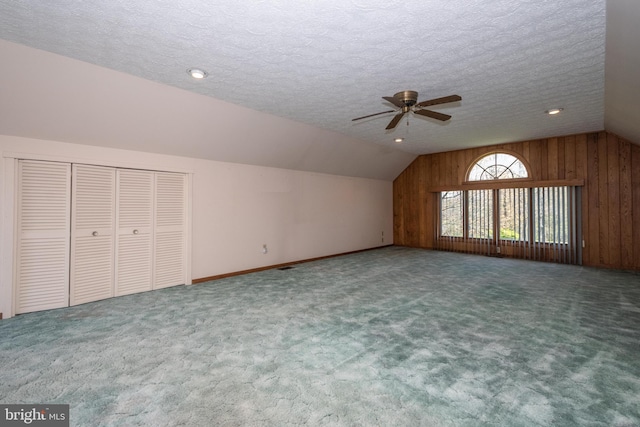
{"type": "Point", "coordinates": [388, 337]}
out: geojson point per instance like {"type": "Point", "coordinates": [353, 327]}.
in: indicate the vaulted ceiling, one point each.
{"type": "Point", "coordinates": [311, 67]}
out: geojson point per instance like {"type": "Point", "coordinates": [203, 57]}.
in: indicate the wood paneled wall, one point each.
{"type": "Point", "coordinates": [609, 165]}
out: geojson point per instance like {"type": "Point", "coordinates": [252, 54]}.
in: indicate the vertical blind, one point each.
{"type": "Point", "coordinates": [532, 223]}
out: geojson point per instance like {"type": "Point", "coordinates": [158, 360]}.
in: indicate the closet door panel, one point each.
{"type": "Point", "coordinates": [169, 261]}
{"type": "Point", "coordinates": [42, 265]}
{"type": "Point", "coordinates": [92, 235]}
{"type": "Point", "coordinates": [134, 239]}
{"type": "Point", "coordinates": [92, 273]}
{"type": "Point", "coordinates": [134, 264]}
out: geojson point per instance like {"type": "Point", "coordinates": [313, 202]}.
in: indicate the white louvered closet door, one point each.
{"type": "Point", "coordinates": [170, 202]}
{"type": "Point", "coordinates": [42, 268]}
{"type": "Point", "coordinates": [134, 224]}
{"type": "Point", "coordinates": [92, 233]}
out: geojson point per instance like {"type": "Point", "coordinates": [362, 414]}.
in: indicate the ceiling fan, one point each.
{"type": "Point", "coordinates": [408, 101]}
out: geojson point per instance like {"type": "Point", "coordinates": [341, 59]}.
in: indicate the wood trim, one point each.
{"type": "Point", "coordinates": [635, 205]}
{"type": "Point", "coordinates": [603, 242]}
{"type": "Point", "coordinates": [271, 267]}
{"type": "Point", "coordinates": [510, 183]}
{"type": "Point", "coordinates": [592, 237]}
{"type": "Point", "coordinates": [626, 210]}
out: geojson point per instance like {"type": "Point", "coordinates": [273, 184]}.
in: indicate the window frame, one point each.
{"type": "Point", "coordinates": [495, 186]}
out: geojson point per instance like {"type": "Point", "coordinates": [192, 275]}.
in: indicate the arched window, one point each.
{"type": "Point", "coordinates": [498, 166]}
{"type": "Point", "coordinates": [501, 212]}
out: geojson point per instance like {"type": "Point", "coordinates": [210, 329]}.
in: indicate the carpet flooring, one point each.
{"type": "Point", "coordinates": [388, 337]}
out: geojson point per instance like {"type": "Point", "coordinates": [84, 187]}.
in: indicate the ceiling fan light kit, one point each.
{"type": "Point", "coordinates": [407, 101]}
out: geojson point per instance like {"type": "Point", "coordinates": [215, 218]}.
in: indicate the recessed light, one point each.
{"type": "Point", "coordinates": [554, 111]}
{"type": "Point", "coordinates": [197, 73]}
{"type": "Point", "coordinates": [398, 140]}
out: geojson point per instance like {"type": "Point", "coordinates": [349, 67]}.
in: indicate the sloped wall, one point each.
{"type": "Point", "coordinates": [51, 97]}
{"type": "Point", "coordinates": [608, 164]}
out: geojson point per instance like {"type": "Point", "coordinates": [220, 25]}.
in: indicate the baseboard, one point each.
{"type": "Point", "coordinates": [286, 264]}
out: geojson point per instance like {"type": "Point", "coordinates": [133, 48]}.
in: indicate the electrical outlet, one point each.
{"type": "Point", "coordinates": [583, 244]}
{"type": "Point", "coordinates": [497, 249]}
{"type": "Point", "coordinates": [383, 237]}
{"type": "Point", "coordinates": [264, 249]}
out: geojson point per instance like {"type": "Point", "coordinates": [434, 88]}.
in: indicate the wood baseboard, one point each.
{"type": "Point", "coordinates": [270, 267]}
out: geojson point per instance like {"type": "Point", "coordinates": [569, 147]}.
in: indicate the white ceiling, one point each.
{"type": "Point", "coordinates": [325, 62]}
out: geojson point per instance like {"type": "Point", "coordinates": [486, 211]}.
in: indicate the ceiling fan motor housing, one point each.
{"type": "Point", "coordinates": [408, 97]}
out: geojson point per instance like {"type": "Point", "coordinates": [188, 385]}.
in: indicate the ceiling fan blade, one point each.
{"type": "Point", "coordinates": [433, 115]}
{"type": "Point", "coordinates": [436, 101]}
{"type": "Point", "coordinates": [395, 101]}
{"type": "Point", "coordinates": [394, 122]}
{"type": "Point", "coordinates": [371, 115]}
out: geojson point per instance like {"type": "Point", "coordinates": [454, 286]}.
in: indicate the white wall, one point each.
{"type": "Point", "coordinates": [622, 63]}
{"type": "Point", "coordinates": [235, 208]}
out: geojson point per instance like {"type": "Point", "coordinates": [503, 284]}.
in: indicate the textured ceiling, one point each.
{"type": "Point", "coordinates": [326, 62]}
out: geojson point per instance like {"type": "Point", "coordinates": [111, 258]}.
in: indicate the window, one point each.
{"type": "Point", "coordinates": [551, 224]}
{"type": "Point", "coordinates": [480, 214]}
{"type": "Point", "coordinates": [514, 213]}
{"type": "Point", "coordinates": [531, 222]}
{"type": "Point", "coordinates": [451, 214]}
{"type": "Point", "coordinates": [498, 166]}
